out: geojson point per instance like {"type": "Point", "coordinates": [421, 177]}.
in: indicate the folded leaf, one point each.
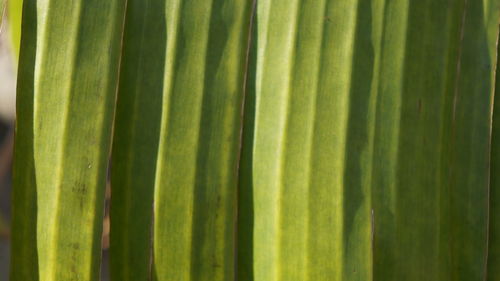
{"type": "Point", "coordinates": [369, 153]}
{"type": "Point", "coordinates": [196, 183]}
{"type": "Point", "coordinates": [431, 196]}
{"type": "Point", "coordinates": [136, 137]}
{"type": "Point", "coordinates": [66, 94]}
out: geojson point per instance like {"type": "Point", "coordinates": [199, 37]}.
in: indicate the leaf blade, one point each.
{"type": "Point", "coordinates": [195, 194]}
{"type": "Point", "coordinates": [136, 138]}
{"type": "Point", "coordinates": [66, 150]}
{"type": "Point", "coordinates": [391, 145]}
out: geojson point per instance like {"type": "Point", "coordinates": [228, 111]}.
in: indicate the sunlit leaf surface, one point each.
{"type": "Point", "coordinates": [66, 93]}
{"type": "Point", "coordinates": [369, 154]}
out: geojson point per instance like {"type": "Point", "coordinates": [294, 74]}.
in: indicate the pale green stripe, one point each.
{"type": "Point", "coordinates": [279, 47]}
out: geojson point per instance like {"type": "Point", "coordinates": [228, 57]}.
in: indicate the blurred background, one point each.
{"type": "Point", "coordinates": [9, 46]}
{"type": "Point", "coordinates": [7, 115]}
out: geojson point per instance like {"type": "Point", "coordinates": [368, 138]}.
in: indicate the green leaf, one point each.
{"type": "Point", "coordinates": [494, 216]}
{"type": "Point", "coordinates": [305, 53]}
{"type": "Point", "coordinates": [195, 195]}
{"type": "Point", "coordinates": [369, 116]}
{"type": "Point", "coordinates": [368, 152]}
{"type": "Point", "coordinates": [431, 209]}
{"type": "Point", "coordinates": [494, 234]}
{"type": "Point", "coordinates": [136, 137]}
{"type": "Point", "coordinates": [471, 140]}
{"type": "Point", "coordinates": [67, 83]}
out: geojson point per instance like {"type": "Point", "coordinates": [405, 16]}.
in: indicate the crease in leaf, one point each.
{"type": "Point", "coordinates": [136, 138]}
{"type": "Point", "coordinates": [61, 154]}
{"type": "Point", "coordinates": [399, 141]}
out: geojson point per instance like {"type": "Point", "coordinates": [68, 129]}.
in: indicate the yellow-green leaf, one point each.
{"type": "Point", "coordinates": [305, 53]}
{"type": "Point", "coordinates": [196, 183]}
{"type": "Point", "coordinates": [369, 153]}
{"type": "Point", "coordinates": [67, 83]}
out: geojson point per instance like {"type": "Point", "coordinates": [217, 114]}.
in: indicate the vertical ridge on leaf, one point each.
{"type": "Point", "coordinates": [399, 141]}
{"type": "Point", "coordinates": [471, 141]}
{"type": "Point", "coordinates": [195, 190]}
{"type": "Point", "coordinates": [66, 107]}
{"type": "Point", "coordinates": [305, 54]}
{"type": "Point", "coordinates": [136, 138]}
